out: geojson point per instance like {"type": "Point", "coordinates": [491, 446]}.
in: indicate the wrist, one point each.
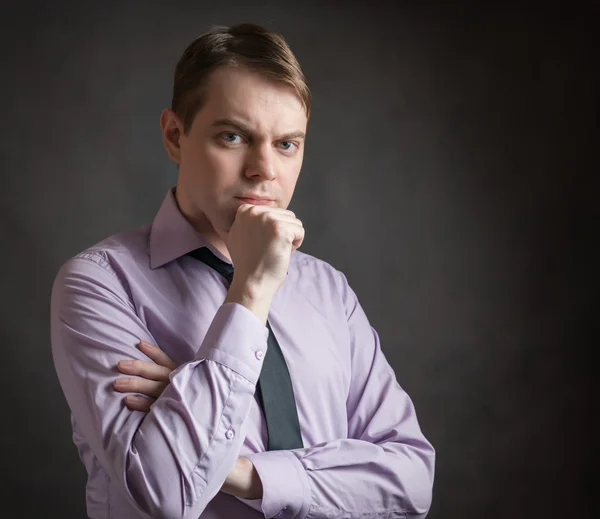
{"type": "Point", "coordinates": [253, 297]}
{"type": "Point", "coordinates": [243, 481]}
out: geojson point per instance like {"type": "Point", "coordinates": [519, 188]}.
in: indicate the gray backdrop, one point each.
{"type": "Point", "coordinates": [447, 173]}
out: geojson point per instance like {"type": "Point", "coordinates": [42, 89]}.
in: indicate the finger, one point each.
{"type": "Point", "coordinates": [292, 230]}
{"type": "Point", "coordinates": [281, 217]}
{"type": "Point", "coordinates": [139, 385]}
{"type": "Point", "coordinates": [157, 355]}
{"type": "Point", "coordinates": [138, 403]}
{"type": "Point", "coordinates": [298, 237]}
{"type": "Point", "coordinates": [242, 209]}
{"type": "Point", "coordinates": [144, 368]}
{"type": "Point", "coordinates": [276, 210]}
{"type": "Point", "coordinates": [264, 209]}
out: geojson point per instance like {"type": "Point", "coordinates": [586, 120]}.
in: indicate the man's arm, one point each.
{"type": "Point", "coordinates": [173, 460]}
{"type": "Point", "coordinates": [383, 469]}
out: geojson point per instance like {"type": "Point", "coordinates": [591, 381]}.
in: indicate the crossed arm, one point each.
{"type": "Point", "coordinates": [151, 379]}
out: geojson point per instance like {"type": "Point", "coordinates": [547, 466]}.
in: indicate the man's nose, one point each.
{"type": "Point", "coordinates": [261, 162]}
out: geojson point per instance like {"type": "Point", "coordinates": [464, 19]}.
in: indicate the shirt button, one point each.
{"type": "Point", "coordinates": [259, 355]}
{"type": "Point", "coordinates": [282, 513]}
{"type": "Point", "coordinates": [229, 434]}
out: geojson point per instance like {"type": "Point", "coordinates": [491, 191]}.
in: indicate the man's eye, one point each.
{"type": "Point", "coordinates": [287, 145]}
{"type": "Point", "coordinates": [231, 138]}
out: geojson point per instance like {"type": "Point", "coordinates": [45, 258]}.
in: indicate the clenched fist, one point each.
{"type": "Point", "coordinates": [260, 243]}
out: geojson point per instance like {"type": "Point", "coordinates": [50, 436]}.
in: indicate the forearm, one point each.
{"type": "Point", "coordinates": [347, 475]}
{"type": "Point", "coordinates": [185, 448]}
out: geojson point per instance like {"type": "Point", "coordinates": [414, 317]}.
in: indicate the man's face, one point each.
{"type": "Point", "coordinates": [246, 141]}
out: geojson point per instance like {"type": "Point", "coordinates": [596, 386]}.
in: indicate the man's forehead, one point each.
{"type": "Point", "coordinates": [246, 96]}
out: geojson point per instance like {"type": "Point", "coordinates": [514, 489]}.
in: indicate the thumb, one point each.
{"type": "Point", "coordinates": [223, 234]}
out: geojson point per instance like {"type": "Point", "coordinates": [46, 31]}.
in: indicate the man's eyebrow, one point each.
{"type": "Point", "coordinates": [245, 129]}
{"type": "Point", "coordinates": [234, 124]}
{"type": "Point", "coordinates": [293, 135]}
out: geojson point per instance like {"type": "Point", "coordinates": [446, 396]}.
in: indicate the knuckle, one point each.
{"type": "Point", "coordinates": [279, 228]}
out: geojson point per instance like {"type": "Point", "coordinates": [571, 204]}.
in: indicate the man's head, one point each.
{"type": "Point", "coordinates": [237, 122]}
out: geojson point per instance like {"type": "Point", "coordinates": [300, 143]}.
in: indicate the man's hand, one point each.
{"type": "Point", "coordinates": [155, 377]}
{"type": "Point", "coordinates": [260, 242]}
{"type": "Point", "coordinates": [243, 480]}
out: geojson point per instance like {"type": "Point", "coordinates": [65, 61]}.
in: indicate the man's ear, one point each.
{"type": "Point", "coordinates": [172, 131]}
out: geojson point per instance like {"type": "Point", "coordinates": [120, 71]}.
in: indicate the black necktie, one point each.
{"type": "Point", "coordinates": [274, 389]}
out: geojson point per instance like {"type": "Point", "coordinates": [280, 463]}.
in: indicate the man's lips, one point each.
{"type": "Point", "coordinates": [256, 200]}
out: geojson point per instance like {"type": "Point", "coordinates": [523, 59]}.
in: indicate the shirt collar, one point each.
{"type": "Point", "coordinates": [172, 236]}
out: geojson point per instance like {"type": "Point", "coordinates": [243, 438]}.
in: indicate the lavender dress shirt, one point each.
{"type": "Point", "coordinates": [365, 454]}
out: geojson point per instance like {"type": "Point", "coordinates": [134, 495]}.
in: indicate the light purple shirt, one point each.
{"type": "Point", "coordinates": [364, 455]}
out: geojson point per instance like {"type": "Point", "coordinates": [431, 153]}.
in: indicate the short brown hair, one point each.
{"type": "Point", "coordinates": [244, 45]}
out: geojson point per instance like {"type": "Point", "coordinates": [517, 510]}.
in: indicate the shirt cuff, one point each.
{"type": "Point", "coordinates": [286, 487]}
{"type": "Point", "coordinates": [236, 339]}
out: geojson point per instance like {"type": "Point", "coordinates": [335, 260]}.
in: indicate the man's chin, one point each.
{"type": "Point", "coordinates": [223, 222]}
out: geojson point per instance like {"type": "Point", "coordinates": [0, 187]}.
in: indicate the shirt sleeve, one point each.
{"type": "Point", "coordinates": [385, 467]}
{"type": "Point", "coordinates": [171, 461]}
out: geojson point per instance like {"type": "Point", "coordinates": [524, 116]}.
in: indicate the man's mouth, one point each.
{"type": "Point", "coordinates": [256, 200]}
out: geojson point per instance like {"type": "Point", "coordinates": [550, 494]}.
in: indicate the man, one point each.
{"type": "Point", "coordinates": [324, 430]}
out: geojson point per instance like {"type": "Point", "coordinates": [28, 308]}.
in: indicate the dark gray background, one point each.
{"type": "Point", "coordinates": [448, 173]}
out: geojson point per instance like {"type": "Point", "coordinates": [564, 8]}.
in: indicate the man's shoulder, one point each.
{"type": "Point", "coordinates": [125, 247]}
{"type": "Point", "coordinates": [317, 271]}
{"type": "Point", "coordinates": [302, 260]}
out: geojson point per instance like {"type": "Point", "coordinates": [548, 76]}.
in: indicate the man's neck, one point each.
{"type": "Point", "coordinates": [220, 246]}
